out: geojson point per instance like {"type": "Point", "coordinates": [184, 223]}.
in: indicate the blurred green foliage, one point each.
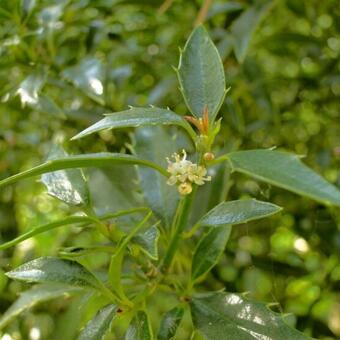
{"type": "Point", "coordinates": [64, 63]}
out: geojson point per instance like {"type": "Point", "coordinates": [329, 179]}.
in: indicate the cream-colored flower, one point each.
{"type": "Point", "coordinates": [184, 173]}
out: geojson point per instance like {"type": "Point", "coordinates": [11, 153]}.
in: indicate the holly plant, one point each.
{"type": "Point", "coordinates": [164, 221]}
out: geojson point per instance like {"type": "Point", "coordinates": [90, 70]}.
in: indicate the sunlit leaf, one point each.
{"type": "Point", "coordinates": [137, 116]}
{"type": "Point", "coordinates": [286, 171]}
{"type": "Point", "coordinates": [140, 328]}
{"type": "Point", "coordinates": [89, 77]}
{"type": "Point", "coordinates": [32, 297]}
{"type": "Point", "coordinates": [236, 212]}
{"type": "Point", "coordinates": [209, 250]}
{"type": "Point", "coordinates": [29, 88]}
{"type": "Point", "coordinates": [67, 185]}
{"type": "Point", "coordinates": [53, 269]}
{"type": "Point", "coordinates": [100, 324]}
{"type": "Point", "coordinates": [201, 74]}
{"type": "Point", "coordinates": [170, 323]}
{"type": "Point", "coordinates": [218, 315]}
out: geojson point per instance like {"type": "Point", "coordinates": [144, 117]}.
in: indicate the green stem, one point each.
{"type": "Point", "coordinates": [180, 222]}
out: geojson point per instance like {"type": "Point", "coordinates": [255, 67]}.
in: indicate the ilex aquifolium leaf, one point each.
{"type": "Point", "coordinates": [148, 241]}
{"type": "Point", "coordinates": [67, 185]}
{"type": "Point", "coordinates": [201, 75]}
{"type": "Point", "coordinates": [170, 323]}
{"type": "Point", "coordinates": [102, 159]}
{"type": "Point", "coordinates": [32, 297]}
{"type": "Point", "coordinates": [138, 116]}
{"type": "Point", "coordinates": [236, 212]}
{"type": "Point", "coordinates": [231, 316]}
{"type": "Point", "coordinates": [286, 171]}
{"type": "Point", "coordinates": [53, 269]}
{"type": "Point", "coordinates": [209, 250]}
{"type": "Point", "coordinates": [139, 328]}
{"type": "Point", "coordinates": [97, 327]}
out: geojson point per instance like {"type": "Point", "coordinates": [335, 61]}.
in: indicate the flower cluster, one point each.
{"type": "Point", "coordinates": [184, 173]}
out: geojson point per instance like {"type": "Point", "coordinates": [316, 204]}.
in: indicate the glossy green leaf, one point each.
{"type": "Point", "coordinates": [245, 25]}
{"type": "Point", "coordinates": [88, 75]}
{"type": "Point", "coordinates": [32, 297]}
{"type": "Point", "coordinates": [148, 241]}
{"type": "Point", "coordinates": [201, 74]}
{"type": "Point", "coordinates": [67, 185]}
{"type": "Point", "coordinates": [44, 228]}
{"type": "Point", "coordinates": [218, 315]}
{"type": "Point", "coordinates": [161, 197]}
{"type": "Point", "coordinates": [114, 188]}
{"type": "Point", "coordinates": [140, 328]}
{"type": "Point", "coordinates": [53, 269]}
{"type": "Point", "coordinates": [209, 250]}
{"type": "Point", "coordinates": [170, 323]}
{"type": "Point", "coordinates": [100, 324]}
{"type": "Point", "coordinates": [286, 171]}
{"type": "Point", "coordinates": [236, 212]}
{"type": "Point", "coordinates": [138, 116]}
{"type": "Point", "coordinates": [102, 159]}
{"type": "Point", "coordinates": [29, 88]}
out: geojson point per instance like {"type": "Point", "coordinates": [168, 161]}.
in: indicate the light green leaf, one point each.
{"type": "Point", "coordinates": [244, 26]}
{"type": "Point", "coordinates": [209, 250]}
{"type": "Point", "coordinates": [236, 212]}
{"type": "Point", "coordinates": [201, 74]}
{"type": "Point", "coordinates": [32, 297]}
{"type": "Point", "coordinates": [148, 241]}
{"type": "Point", "coordinates": [286, 171]}
{"type": "Point", "coordinates": [155, 144]}
{"type": "Point", "coordinates": [67, 185]}
{"type": "Point", "coordinates": [140, 328]}
{"type": "Point", "coordinates": [101, 159]}
{"type": "Point", "coordinates": [44, 228]}
{"type": "Point", "coordinates": [53, 269]}
{"type": "Point", "coordinates": [100, 324]}
{"type": "Point", "coordinates": [218, 315]}
{"type": "Point", "coordinates": [170, 323]}
{"type": "Point", "coordinates": [88, 76]}
{"type": "Point", "coordinates": [138, 116]}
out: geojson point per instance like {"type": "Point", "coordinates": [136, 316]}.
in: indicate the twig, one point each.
{"type": "Point", "coordinates": [203, 12]}
{"type": "Point", "coordinates": [165, 6]}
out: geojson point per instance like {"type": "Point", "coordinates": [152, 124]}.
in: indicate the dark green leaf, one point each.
{"type": "Point", "coordinates": [102, 159]}
{"type": "Point", "coordinates": [286, 171]}
{"type": "Point", "coordinates": [138, 116]}
{"type": "Point", "coordinates": [170, 323]}
{"type": "Point", "coordinates": [201, 74]}
{"type": "Point", "coordinates": [53, 269]}
{"type": "Point", "coordinates": [67, 185]}
{"type": "Point", "coordinates": [236, 212]}
{"type": "Point", "coordinates": [148, 241]}
{"type": "Point", "coordinates": [230, 316]}
{"type": "Point", "coordinates": [100, 324]}
{"type": "Point", "coordinates": [209, 250]}
{"type": "Point", "coordinates": [140, 328]}
{"type": "Point", "coordinates": [161, 197]}
{"type": "Point", "coordinates": [33, 296]}
{"type": "Point", "coordinates": [245, 25]}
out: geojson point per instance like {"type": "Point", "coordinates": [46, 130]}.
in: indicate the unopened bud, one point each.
{"type": "Point", "coordinates": [185, 188]}
{"type": "Point", "coordinates": [209, 156]}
